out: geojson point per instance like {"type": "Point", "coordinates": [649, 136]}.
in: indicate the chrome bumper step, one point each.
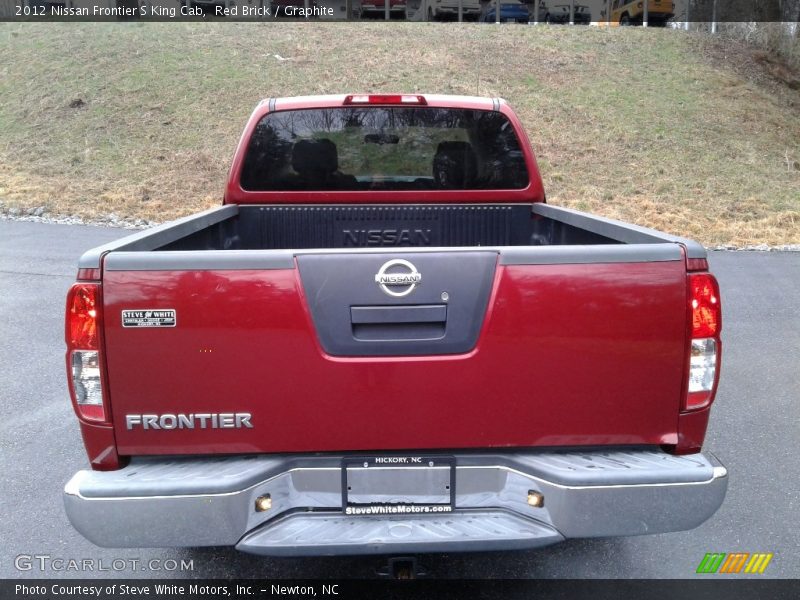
{"type": "Point", "coordinates": [166, 502]}
{"type": "Point", "coordinates": [302, 534]}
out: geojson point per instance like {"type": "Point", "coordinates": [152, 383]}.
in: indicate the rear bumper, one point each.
{"type": "Point", "coordinates": [211, 502]}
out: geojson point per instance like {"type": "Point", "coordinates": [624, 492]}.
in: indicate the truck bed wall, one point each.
{"type": "Point", "coordinates": [223, 229]}
{"type": "Point", "coordinates": [302, 227]}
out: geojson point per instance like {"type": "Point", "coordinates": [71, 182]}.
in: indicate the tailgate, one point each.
{"type": "Point", "coordinates": [365, 350]}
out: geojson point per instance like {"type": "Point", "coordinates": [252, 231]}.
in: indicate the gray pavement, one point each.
{"type": "Point", "coordinates": [755, 429]}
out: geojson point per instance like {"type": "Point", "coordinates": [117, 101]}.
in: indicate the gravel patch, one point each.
{"type": "Point", "coordinates": [39, 214]}
{"type": "Point", "coordinates": [758, 248]}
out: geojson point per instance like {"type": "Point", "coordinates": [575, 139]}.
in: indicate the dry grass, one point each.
{"type": "Point", "coordinates": [632, 124]}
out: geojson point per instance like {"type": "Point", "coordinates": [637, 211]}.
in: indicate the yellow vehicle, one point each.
{"type": "Point", "coordinates": [625, 12]}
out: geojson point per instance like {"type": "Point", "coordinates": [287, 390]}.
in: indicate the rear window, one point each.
{"type": "Point", "coordinates": [383, 148]}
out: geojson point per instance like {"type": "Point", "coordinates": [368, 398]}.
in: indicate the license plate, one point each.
{"type": "Point", "coordinates": [398, 485]}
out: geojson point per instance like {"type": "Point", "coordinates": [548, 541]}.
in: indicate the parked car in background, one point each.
{"type": "Point", "coordinates": [625, 12]}
{"type": "Point", "coordinates": [582, 16]}
{"type": "Point", "coordinates": [560, 14]}
{"type": "Point", "coordinates": [441, 10]}
{"type": "Point", "coordinates": [510, 12]}
{"type": "Point", "coordinates": [376, 9]}
{"type": "Point", "coordinates": [543, 10]}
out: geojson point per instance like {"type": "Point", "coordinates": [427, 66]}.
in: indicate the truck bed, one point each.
{"type": "Point", "coordinates": [572, 327]}
{"type": "Point", "coordinates": [302, 227]}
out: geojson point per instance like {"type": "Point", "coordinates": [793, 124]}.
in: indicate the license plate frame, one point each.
{"type": "Point", "coordinates": [407, 472]}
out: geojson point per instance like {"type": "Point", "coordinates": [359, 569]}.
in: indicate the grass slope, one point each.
{"type": "Point", "coordinates": [141, 119]}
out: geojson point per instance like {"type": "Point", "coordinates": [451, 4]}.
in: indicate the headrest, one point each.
{"type": "Point", "coordinates": [455, 165]}
{"type": "Point", "coordinates": [315, 156]}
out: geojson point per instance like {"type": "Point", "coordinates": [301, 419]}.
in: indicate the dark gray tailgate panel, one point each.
{"type": "Point", "coordinates": [457, 284]}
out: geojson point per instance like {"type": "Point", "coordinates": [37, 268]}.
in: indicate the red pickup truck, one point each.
{"type": "Point", "coordinates": [386, 341]}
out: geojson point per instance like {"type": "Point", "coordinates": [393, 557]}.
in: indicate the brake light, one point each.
{"type": "Point", "coordinates": [82, 316]}
{"type": "Point", "coordinates": [705, 305]}
{"type": "Point", "coordinates": [705, 314]}
{"type": "Point", "coordinates": [83, 351]}
{"type": "Point", "coordinates": [386, 99]}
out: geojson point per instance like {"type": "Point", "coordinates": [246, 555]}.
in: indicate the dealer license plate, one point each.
{"type": "Point", "coordinates": [398, 485]}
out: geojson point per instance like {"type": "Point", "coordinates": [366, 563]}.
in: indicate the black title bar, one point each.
{"type": "Point", "coordinates": [601, 11]}
{"type": "Point", "coordinates": [710, 588]}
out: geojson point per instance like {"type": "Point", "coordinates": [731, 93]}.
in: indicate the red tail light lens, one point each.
{"type": "Point", "coordinates": [705, 314]}
{"type": "Point", "coordinates": [410, 99]}
{"type": "Point", "coordinates": [705, 306]}
{"type": "Point", "coordinates": [84, 365]}
{"type": "Point", "coordinates": [82, 306]}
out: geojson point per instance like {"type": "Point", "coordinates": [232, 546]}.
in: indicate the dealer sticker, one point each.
{"type": "Point", "coordinates": [161, 317]}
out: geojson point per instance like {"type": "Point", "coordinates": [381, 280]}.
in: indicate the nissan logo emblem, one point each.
{"type": "Point", "coordinates": [398, 278]}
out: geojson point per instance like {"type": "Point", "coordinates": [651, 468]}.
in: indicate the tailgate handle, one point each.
{"type": "Point", "coordinates": [419, 313]}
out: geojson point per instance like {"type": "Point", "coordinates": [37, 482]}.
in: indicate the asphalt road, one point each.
{"type": "Point", "coordinates": [754, 430]}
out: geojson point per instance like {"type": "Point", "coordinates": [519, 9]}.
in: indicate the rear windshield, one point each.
{"type": "Point", "coordinates": [370, 148]}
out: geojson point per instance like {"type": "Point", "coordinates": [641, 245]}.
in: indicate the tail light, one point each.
{"type": "Point", "coordinates": [83, 351]}
{"type": "Point", "coordinates": [705, 314]}
{"type": "Point", "coordinates": [410, 99]}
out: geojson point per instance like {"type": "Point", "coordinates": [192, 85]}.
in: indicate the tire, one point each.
{"type": "Point", "coordinates": [625, 20]}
